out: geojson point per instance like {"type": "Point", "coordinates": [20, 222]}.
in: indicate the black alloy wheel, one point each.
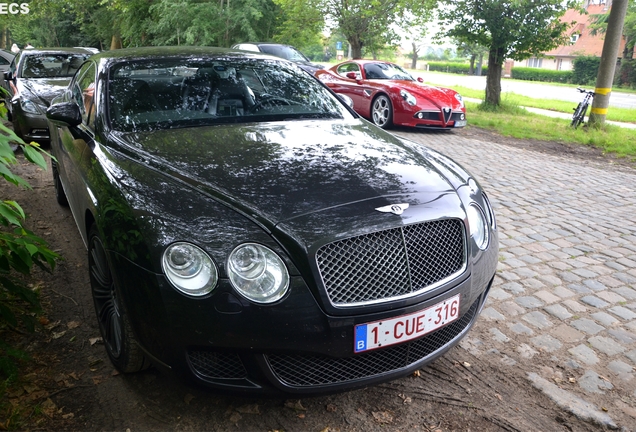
{"type": "Point", "coordinates": [122, 347]}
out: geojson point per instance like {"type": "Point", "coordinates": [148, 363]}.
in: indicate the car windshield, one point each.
{"type": "Point", "coordinates": [52, 65]}
{"type": "Point", "coordinates": [386, 71]}
{"type": "Point", "coordinates": [285, 52]}
{"type": "Point", "coordinates": [170, 93]}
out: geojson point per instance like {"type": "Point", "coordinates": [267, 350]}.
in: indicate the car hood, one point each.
{"type": "Point", "coordinates": [438, 96]}
{"type": "Point", "coordinates": [43, 89]}
{"type": "Point", "coordinates": [282, 171]}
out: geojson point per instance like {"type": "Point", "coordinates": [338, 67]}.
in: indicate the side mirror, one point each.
{"type": "Point", "coordinates": [8, 76]}
{"type": "Point", "coordinates": [351, 75]}
{"type": "Point", "coordinates": [346, 99]}
{"type": "Point", "coordinates": [420, 79]}
{"type": "Point", "coordinates": [64, 114]}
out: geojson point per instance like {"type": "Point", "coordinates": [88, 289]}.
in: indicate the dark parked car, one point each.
{"type": "Point", "coordinates": [245, 228]}
{"type": "Point", "coordinates": [34, 78]}
{"type": "Point", "coordinates": [6, 57]}
{"type": "Point", "coordinates": [287, 52]}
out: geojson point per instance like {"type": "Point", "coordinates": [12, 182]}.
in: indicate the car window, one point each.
{"type": "Point", "coordinates": [386, 71]}
{"type": "Point", "coordinates": [4, 61]}
{"type": "Point", "coordinates": [149, 94]}
{"type": "Point", "coordinates": [51, 65]}
{"type": "Point", "coordinates": [349, 67]}
{"type": "Point", "coordinates": [83, 89]}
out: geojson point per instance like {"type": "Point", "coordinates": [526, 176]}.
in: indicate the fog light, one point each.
{"type": "Point", "coordinates": [420, 115]}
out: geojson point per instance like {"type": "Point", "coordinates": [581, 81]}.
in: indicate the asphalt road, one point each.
{"type": "Point", "coordinates": [525, 88]}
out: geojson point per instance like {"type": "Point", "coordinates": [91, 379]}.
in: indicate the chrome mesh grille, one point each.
{"type": "Point", "coordinates": [308, 370]}
{"type": "Point", "coordinates": [217, 365]}
{"type": "Point", "coordinates": [391, 263]}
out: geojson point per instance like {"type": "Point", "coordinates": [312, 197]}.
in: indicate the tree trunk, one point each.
{"type": "Point", "coordinates": [493, 79]}
{"type": "Point", "coordinates": [472, 64]}
{"type": "Point", "coordinates": [356, 47]}
{"type": "Point", "coordinates": [414, 58]}
{"type": "Point", "coordinates": [606, 69]}
{"type": "Point", "coordinates": [115, 42]}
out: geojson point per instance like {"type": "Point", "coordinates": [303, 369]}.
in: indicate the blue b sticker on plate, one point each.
{"type": "Point", "coordinates": [361, 338]}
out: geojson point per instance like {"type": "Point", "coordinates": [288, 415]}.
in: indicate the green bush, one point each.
{"type": "Point", "coordinates": [454, 67]}
{"type": "Point", "coordinates": [585, 70]}
{"type": "Point", "coordinates": [626, 76]}
{"type": "Point", "coordinates": [546, 75]}
{"type": "Point", "coordinates": [20, 250]}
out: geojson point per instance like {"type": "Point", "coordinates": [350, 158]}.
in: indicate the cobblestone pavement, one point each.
{"type": "Point", "coordinates": [562, 310]}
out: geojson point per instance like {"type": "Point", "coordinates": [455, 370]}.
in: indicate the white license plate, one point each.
{"type": "Point", "coordinates": [460, 123]}
{"type": "Point", "coordinates": [406, 327]}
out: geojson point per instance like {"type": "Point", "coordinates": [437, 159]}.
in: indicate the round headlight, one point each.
{"type": "Point", "coordinates": [189, 269]}
{"type": "Point", "coordinates": [478, 226]}
{"type": "Point", "coordinates": [257, 273]}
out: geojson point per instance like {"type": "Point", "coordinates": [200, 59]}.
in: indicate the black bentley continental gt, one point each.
{"type": "Point", "coordinates": [247, 229]}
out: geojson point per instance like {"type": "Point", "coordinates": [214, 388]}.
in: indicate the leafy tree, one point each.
{"type": "Point", "coordinates": [371, 23]}
{"type": "Point", "coordinates": [599, 25]}
{"type": "Point", "coordinates": [514, 29]}
{"type": "Point", "coordinates": [471, 50]}
{"type": "Point", "coordinates": [300, 23]}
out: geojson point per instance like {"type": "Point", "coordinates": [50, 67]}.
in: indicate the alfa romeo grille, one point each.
{"type": "Point", "coordinates": [393, 263]}
{"type": "Point", "coordinates": [312, 370]}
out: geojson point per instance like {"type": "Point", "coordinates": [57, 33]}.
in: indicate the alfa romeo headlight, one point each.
{"type": "Point", "coordinates": [408, 97]}
{"type": "Point", "coordinates": [460, 99]}
{"type": "Point", "coordinates": [189, 269]}
{"type": "Point", "coordinates": [257, 273]}
{"type": "Point", "coordinates": [478, 226]}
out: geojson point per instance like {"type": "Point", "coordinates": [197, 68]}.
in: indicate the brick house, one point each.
{"type": "Point", "coordinates": [582, 42]}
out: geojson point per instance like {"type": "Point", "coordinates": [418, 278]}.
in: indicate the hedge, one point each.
{"type": "Point", "coordinates": [458, 68]}
{"type": "Point", "coordinates": [545, 75]}
{"type": "Point", "coordinates": [585, 70]}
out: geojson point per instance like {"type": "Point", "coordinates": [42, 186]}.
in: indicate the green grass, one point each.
{"type": "Point", "coordinates": [615, 114]}
{"type": "Point", "coordinates": [516, 122]}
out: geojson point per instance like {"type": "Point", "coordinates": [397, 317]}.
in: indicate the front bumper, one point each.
{"type": "Point", "coordinates": [34, 127]}
{"type": "Point", "coordinates": [226, 342]}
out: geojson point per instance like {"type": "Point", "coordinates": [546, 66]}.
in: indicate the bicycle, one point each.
{"type": "Point", "coordinates": [581, 109]}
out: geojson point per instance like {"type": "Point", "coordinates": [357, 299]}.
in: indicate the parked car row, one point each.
{"type": "Point", "coordinates": [249, 230]}
{"type": "Point", "coordinates": [33, 78]}
{"type": "Point", "coordinates": [380, 91]}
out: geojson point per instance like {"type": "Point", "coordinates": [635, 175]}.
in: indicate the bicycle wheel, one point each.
{"type": "Point", "coordinates": [579, 115]}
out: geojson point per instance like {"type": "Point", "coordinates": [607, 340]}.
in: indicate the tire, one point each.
{"type": "Point", "coordinates": [579, 115]}
{"type": "Point", "coordinates": [382, 112]}
{"type": "Point", "coordinates": [60, 195]}
{"type": "Point", "coordinates": [121, 345]}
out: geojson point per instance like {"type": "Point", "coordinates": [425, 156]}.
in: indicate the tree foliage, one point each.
{"type": "Point", "coordinates": [20, 249]}
{"type": "Point", "coordinates": [599, 25]}
{"type": "Point", "coordinates": [511, 29]}
{"type": "Point", "coordinates": [371, 23]}
{"type": "Point", "coordinates": [150, 22]}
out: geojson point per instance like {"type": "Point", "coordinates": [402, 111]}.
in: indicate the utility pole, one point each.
{"type": "Point", "coordinates": [606, 69]}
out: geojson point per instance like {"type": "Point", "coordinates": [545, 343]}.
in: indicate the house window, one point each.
{"type": "Point", "coordinates": [574, 38]}
{"type": "Point", "coordinates": [535, 62]}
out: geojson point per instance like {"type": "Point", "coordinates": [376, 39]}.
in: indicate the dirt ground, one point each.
{"type": "Point", "coordinates": [71, 385]}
